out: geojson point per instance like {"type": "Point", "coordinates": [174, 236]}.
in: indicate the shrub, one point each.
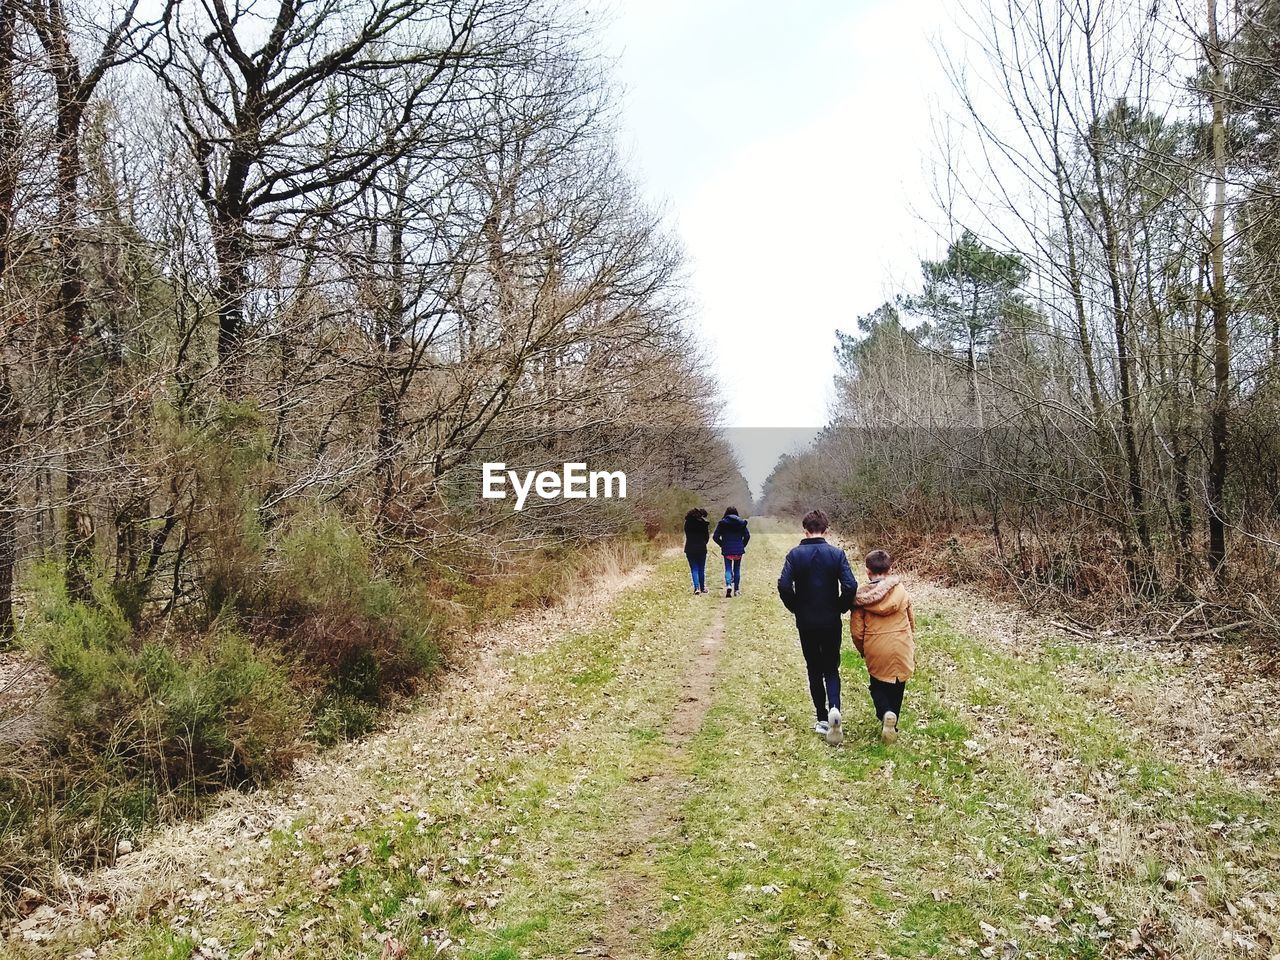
{"type": "Point", "coordinates": [353, 632]}
{"type": "Point", "coordinates": [341, 717]}
{"type": "Point", "coordinates": [84, 645]}
{"type": "Point", "coordinates": [663, 510]}
{"type": "Point", "coordinates": [223, 715]}
{"type": "Point", "coordinates": [542, 578]}
{"type": "Point", "coordinates": [215, 713]}
{"type": "Point", "coordinates": [143, 730]}
{"type": "Point", "coordinates": [230, 458]}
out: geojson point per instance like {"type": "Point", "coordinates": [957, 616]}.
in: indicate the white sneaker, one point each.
{"type": "Point", "coordinates": [820, 728]}
{"type": "Point", "coordinates": [728, 591]}
{"type": "Point", "coordinates": [835, 732]}
{"type": "Point", "coordinates": [889, 727]}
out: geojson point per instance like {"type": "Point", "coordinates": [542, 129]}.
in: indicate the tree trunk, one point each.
{"type": "Point", "coordinates": [232, 286]}
{"type": "Point", "coordinates": [393, 363]}
{"type": "Point", "coordinates": [8, 423]}
{"type": "Point", "coordinates": [1124, 364]}
{"type": "Point", "coordinates": [1220, 308]}
{"type": "Point", "coordinates": [10, 426]}
{"type": "Point", "coordinates": [71, 306]}
{"type": "Point", "coordinates": [8, 134]}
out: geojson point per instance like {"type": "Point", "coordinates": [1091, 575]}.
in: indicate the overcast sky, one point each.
{"type": "Point", "coordinates": [789, 145]}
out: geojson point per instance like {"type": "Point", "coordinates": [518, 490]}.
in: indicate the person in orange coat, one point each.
{"type": "Point", "coordinates": [882, 626]}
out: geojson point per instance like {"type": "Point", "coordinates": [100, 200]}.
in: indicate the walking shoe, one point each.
{"type": "Point", "coordinates": [889, 727]}
{"type": "Point", "coordinates": [835, 732]}
{"type": "Point", "coordinates": [728, 591]}
{"type": "Point", "coordinates": [820, 728]}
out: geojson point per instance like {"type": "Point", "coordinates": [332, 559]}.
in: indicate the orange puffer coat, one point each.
{"type": "Point", "coordinates": [883, 629]}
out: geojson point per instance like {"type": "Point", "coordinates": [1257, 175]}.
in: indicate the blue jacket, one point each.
{"type": "Point", "coordinates": [817, 583]}
{"type": "Point", "coordinates": [732, 535]}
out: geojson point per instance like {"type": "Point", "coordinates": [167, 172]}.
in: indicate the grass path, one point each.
{"type": "Point", "coordinates": [650, 788]}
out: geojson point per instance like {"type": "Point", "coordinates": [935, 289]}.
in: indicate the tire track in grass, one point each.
{"type": "Point", "coordinates": [632, 911]}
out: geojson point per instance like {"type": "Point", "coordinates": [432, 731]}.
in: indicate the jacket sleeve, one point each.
{"type": "Point", "coordinates": [858, 629]}
{"type": "Point", "coordinates": [787, 586]}
{"type": "Point", "coordinates": [848, 584]}
{"type": "Point", "coordinates": [718, 537]}
{"type": "Point", "coordinates": [746, 535]}
{"type": "Point", "coordinates": [911, 617]}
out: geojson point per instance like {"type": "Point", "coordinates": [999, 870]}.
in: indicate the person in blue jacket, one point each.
{"type": "Point", "coordinates": [732, 536]}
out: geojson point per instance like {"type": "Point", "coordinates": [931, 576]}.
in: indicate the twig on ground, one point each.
{"type": "Point", "coordinates": [1090, 634]}
{"type": "Point", "coordinates": [1199, 634]}
{"type": "Point", "coordinates": [1173, 628]}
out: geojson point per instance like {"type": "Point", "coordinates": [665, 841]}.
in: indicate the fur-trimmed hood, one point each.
{"type": "Point", "coordinates": [882, 598]}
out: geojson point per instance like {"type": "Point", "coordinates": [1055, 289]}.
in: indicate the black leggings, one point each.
{"type": "Point", "coordinates": [821, 647]}
{"type": "Point", "coordinates": [887, 696]}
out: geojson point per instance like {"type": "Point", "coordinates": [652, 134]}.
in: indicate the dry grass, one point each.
{"type": "Point", "coordinates": [1205, 704]}
{"type": "Point", "coordinates": [24, 696]}
{"type": "Point", "coordinates": [1144, 788]}
{"type": "Point", "coordinates": [326, 787]}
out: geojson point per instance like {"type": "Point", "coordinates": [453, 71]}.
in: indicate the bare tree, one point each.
{"type": "Point", "coordinates": [1133, 360]}
{"type": "Point", "coordinates": [75, 80]}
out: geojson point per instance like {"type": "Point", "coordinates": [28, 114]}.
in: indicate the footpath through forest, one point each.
{"type": "Point", "coordinates": [635, 776]}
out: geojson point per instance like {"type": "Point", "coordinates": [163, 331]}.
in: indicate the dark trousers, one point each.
{"type": "Point", "coordinates": [821, 646]}
{"type": "Point", "coordinates": [887, 696]}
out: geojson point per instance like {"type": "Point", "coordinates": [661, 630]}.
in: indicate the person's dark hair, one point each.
{"type": "Point", "coordinates": [816, 521]}
{"type": "Point", "coordinates": [730, 510]}
{"type": "Point", "coordinates": [694, 514]}
{"type": "Point", "coordinates": [879, 561]}
{"type": "Point", "coordinates": [702, 511]}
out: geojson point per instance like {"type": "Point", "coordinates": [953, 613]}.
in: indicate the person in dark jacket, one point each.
{"type": "Point", "coordinates": [817, 585]}
{"type": "Point", "coordinates": [697, 531]}
{"type": "Point", "coordinates": [732, 536]}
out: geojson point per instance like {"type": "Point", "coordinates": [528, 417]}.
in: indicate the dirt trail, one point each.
{"type": "Point", "coordinates": [697, 685]}
{"type": "Point", "coordinates": [654, 805]}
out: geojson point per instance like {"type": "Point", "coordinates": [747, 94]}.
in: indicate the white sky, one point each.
{"type": "Point", "coordinates": [789, 144]}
